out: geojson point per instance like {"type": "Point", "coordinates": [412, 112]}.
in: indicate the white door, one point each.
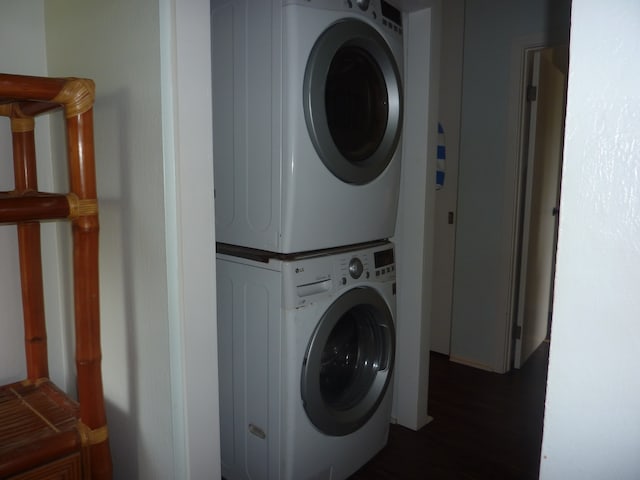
{"type": "Point", "coordinates": [546, 96]}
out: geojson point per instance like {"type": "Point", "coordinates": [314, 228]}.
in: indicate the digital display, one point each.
{"type": "Point", "coordinates": [383, 258]}
{"type": "Point", "coordinates": [391, 12]}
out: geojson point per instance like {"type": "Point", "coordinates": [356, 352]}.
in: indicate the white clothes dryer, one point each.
{"type": "Point", "coordinates": [306, 355]}
{"type": "Point", "coordinates": [307, 117]}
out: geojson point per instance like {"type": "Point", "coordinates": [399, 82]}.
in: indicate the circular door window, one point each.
{"type": "Point", "coordinates": [348, 362]}
{"type": "Point", "coordinates": [353, 101]}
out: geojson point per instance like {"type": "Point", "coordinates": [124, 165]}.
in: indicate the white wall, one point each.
{"type": "Point", "coordinates": [14, 15]}
{"type": "Point", "coordinates": [450, 98]}
{"type": "Point", "coordinates": [151, 63]}
{"type": "Point", "coordinates": [592, 419]}
{"type": "Point", "coordinates": [22, 24]}
{"type": "Point", "coordinates": [192, 281]}
{"type": "Point", "coordinates": [117, 45]}
{"type": "Point", "coordinates": [482, 271]}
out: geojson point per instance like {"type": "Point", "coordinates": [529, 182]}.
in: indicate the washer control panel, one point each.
{"type": "Point", "coordinates": [376, 264]}
{"type": "Point", "coordinates": [317, 276]}
{"type": "Point", "coordinates": [380, 12]}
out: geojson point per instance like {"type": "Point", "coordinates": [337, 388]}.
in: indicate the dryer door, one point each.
{"type": "Point", "coordinates": [353, 101]}
{"type": "Point", "coordinates": [348, 362]}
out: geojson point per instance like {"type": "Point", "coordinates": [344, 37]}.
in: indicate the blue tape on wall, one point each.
{"type": "Point", "coordinates": [440, 158]}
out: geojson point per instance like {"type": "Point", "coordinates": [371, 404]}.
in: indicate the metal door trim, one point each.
{"type": "Point", "coordinates": [331, 419]}
{"type": "Point", "coordinates": [351, 33]}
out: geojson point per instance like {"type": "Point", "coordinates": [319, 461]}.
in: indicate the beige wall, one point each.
{"type": "Point", "coordinates": [117, 45]}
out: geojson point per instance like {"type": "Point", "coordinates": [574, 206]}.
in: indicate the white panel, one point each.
{"type": "Point", "coordinates": [249, 351]}
{"type": "Point", "coordinates": [195, 232]}
{"type": "Point", "coordinates": [225, 358]}
{"type": "Point", "coordinates": [592, 419]}
{"type": "Point", "coordinates": [256, 368]}
{"type": "Point", "coordinates": [259, 61]}
{"type": "Point", "coordinates": [414, 231]}
{"type": "Point", "coordinates": [246, 122]}
{"type": "Point", "coordinates": [222, 57]}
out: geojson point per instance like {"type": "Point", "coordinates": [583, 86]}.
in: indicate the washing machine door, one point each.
{"type": "Point", "coordinates": [353, 101]}
{"type": "Point", "coordinates": [348, 362]}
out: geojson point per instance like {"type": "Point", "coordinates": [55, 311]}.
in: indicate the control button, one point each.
{"type": "Point", "coordinates": [377, 273]}
{"type": "Point", "coordinates": [355, 268]}
{"type": "Point", "coordinates": [343, 280]}
{"type": "Point", "coordinates": [367, 275]}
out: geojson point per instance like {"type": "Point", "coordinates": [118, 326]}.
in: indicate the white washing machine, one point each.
{"type": "Point", "coordinates": [307, 117]}
{"type": "Point", "coordinates": [306, 355]}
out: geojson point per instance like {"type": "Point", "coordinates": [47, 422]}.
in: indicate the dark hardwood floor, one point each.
{"type": "Point", "coordinates": [485, 426]}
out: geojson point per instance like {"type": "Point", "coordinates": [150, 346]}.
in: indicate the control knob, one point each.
{"type": "Point", "coordinates": [355, 268]}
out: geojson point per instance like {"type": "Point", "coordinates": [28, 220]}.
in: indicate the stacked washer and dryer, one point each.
{"type": "Point", "coordinates": [307, 114]}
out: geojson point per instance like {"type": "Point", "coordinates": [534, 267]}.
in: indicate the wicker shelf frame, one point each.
{"type": "Point", "coordinates": [43, 433]}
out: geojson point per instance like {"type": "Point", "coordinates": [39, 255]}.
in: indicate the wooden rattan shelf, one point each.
{"type": "Point", "coordinates": [43, 432]}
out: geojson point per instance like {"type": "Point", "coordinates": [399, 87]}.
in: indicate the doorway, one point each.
{"type": "Point", "coordinates": [543, 97]}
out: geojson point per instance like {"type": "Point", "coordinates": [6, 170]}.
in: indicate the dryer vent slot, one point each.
{"type": "Point", "coordinates": [314, 288]}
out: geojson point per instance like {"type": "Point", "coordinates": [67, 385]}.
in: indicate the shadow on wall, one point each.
{"type": "Point", "coordinates": [119, 328]}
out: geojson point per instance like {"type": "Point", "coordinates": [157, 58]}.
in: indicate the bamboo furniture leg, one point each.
{"type": "Point", "coordinates": [43, 433]}
{"type": "Point", "coordinates": [86, 286]}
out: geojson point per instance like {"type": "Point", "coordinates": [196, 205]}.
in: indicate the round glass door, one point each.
{"type": "Point", "coordinates": [356, 103]}
{"type": "Point", "coordinates": [348, 362]}
{"type": "Point", "coordinates": [353, 101]}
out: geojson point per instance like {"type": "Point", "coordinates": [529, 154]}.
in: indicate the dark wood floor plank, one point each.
{"type": "Point", "coordinates": [486, 426]}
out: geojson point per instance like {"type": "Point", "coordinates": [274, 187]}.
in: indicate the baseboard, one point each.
{"type": "Point", "coordinates": [471, 363]}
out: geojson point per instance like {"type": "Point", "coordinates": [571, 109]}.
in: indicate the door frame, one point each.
{"type": "Point", "coordinates": [514, 185]}
{"type": "Point", "coordinates": [530, 333]}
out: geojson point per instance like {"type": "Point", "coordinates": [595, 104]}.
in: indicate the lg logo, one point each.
{"type": "Point", "coordinates": [299, 269]}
